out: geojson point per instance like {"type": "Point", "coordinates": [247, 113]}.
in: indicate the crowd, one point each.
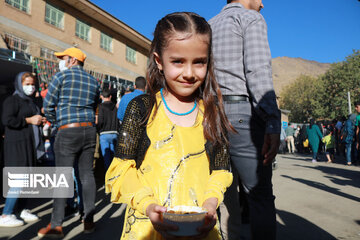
{"type": "Point", "coordinates": [339, 137]}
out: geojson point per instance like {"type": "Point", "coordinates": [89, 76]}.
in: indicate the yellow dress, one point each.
{"type": "Point", "coordinates": [175, 171]}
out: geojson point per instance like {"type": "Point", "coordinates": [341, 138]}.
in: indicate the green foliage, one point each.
{"type": "Point", "coordinates": [324, 97]}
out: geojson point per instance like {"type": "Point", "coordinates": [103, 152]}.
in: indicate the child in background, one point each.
{"type": "Point", "coordinates": [107, 127]}
{"type": "Point", "coordinates": [172, 146]}
{"type": "Point", "coordinates": [329, 141]}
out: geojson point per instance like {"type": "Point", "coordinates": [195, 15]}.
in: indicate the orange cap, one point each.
{"type": "Point", "coordinates": [72, 52]}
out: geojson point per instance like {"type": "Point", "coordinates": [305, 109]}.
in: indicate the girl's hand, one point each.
{"type": "Point", "coordinates": [210, 205]}
{"type": "Point", "coordinates": [34, 120]}
{"type": "Point", "coordinates": [154, 212]}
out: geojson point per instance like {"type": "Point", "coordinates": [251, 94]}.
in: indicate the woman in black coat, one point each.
{"type": "Point", "coordinates": [23, 143]}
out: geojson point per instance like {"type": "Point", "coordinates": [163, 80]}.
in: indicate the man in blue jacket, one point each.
{"type": "Point", "coordinates": [140, 84]}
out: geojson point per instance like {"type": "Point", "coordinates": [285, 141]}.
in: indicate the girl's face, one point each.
{"type": "Point", "coordinates": [28, 81]}
{"type": "Point", "coordinates": [184, 63]}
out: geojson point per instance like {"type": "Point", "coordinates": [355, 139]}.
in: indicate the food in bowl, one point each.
{"type": "Point", "coordinates": [187, 218]}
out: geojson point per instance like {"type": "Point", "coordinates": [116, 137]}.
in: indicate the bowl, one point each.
{"type": "Point", "coordinates": [187, 218]}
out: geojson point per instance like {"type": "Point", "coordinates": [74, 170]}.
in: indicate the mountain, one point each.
{"type": "Point", "coordinates": [286, 70]}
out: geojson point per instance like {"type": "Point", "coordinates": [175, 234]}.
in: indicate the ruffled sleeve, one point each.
{"type": "Point", "coordinates": [127, 185]}
{"type": "Point", "coordinates": [122, 179]}
{"type": "Point", "coordinates": [218, 182]}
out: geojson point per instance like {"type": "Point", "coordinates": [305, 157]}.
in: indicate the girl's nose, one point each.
{"type": "Point", "coordinates": [188, 72]}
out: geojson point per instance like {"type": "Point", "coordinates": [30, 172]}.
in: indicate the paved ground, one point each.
{"type": "Point", "coordinates": [314, 202]}
{"type": "Point", "coordinates": [318, 201]}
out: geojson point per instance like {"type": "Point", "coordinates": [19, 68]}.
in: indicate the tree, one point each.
{"type": "Point", "coordinates": [297, 98]}
{"type": "Point", "coordinates": [341, 78]}
{"type": "Point", "coordinates": [324, 97]}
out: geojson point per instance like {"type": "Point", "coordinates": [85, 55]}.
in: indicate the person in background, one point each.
{"type": "Point", "coordinates": [140, 84]}
{"type": "Point", "coordinates": [297, 138]}
{"type": "Point", "coordinates": [70, 103]}
{"type": "Point", "coordinates": [302, 138]}
{"type": "Point", "coordinates": [23, 144]}
{"type": "Point", "coordinates": [340, 150]}
{"type": "Point", "coordinates": [290, 131]}
{"type": "Point", "coordinates": [357, 137]}
{"type": "Point", "coordinates": [314, 135]}
{"type": "Point", "coordinates": [329, 141]}
{"type": "Point", "coordinates": [107, 127]}
{"type": "Point", "coordinates": [44, 90]}
{"type": "Point", "coordinates": [282, 147]}
{"type": "Point", "coordinates": [348, 135]}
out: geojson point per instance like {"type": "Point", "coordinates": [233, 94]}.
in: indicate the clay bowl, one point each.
{"type": "Point", "coordinates": [187, 218]}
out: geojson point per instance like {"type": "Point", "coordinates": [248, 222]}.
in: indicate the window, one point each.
{"type": "Point", "coordinates": [54, 16]}
{"type": "Point", "coordinates": [22, 5]}
{"type": "Point", "coordinates": [47, 54]}
{"type": "Point", "coordinates": [130, 54]}
{"type": "Point", "coordinates": [106, 42]}
{"type": "Point", "coordinates": [82, 30]}
{"type": "Point", "coordinates": [16, 43]}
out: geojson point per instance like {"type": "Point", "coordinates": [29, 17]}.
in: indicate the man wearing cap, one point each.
{"type": "Point", "coordinates": [70, 104]}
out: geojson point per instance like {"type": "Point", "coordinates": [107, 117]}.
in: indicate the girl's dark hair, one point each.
{"type": "Point", "coordinates": [106, 93]}
{"type": "Point", "coordinates": [209, 91]}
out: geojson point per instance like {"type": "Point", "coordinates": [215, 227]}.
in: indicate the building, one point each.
{"type": "Point", "coordinates": [39, 28]}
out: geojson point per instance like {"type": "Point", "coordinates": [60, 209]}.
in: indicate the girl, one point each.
{"type": "Point", "coordinates": [172, 147]}
{"type": "Point", "coordinates": [23, 143]}
{"type": "Point", "coordinates": [329, 141]}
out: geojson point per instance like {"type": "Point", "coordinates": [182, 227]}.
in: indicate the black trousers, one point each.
{"type": "Point", "coordinates": [71, 144]}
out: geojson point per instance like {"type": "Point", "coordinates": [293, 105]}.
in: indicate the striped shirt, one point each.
{"type": "Point", "coordinates": [72, 97]}
{"type": "Point", "coordinates": [243, 60]}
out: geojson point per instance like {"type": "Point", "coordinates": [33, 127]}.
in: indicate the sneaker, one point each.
{"type": "Point", "coordinates": [314, 161]}
{"type": "Point", "coordinates": [49, 232]}
{"type": "Point", "coordinates": [27, 216]}
{"type": "Point", "coordinates": [89, 227]}
{"type": "Point", "coordinates": [10, 221]}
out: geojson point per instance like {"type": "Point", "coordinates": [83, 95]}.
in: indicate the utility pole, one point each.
{"type": "Point", "coordinates": [349, 100]}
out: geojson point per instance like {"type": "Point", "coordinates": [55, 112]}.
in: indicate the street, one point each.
{"type": "Point", "coordinates": [315, 201]}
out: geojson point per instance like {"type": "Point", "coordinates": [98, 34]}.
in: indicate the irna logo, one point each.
{"type": "Point", "coordinates": [34, 180]}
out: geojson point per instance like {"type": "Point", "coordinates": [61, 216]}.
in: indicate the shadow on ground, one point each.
{"type": "Point", "coordinates": [324, 187]}
{"type": "Point", "coordinates": [294, 227]}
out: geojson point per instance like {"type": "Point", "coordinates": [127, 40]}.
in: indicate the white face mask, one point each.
{"type": "Point", "coordinates": [29, 89]}
{"type": "Point", "coordinates": [62, 65]}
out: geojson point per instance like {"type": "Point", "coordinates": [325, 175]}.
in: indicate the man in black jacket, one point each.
{"type": "Point", "coordinates": [107, 126]}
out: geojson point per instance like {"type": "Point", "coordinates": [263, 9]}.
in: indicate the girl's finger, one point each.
{"type": "Point", "coordinates": [159, 209]}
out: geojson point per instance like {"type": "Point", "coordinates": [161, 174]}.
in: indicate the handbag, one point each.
{"type": "Point", "coordinates": [306, 143]}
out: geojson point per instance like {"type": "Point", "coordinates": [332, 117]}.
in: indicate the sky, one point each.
{"type": "Point", "coordinates": [325, 31]}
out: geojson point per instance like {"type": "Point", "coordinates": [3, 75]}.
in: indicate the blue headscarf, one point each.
{"type": "Point", "coordinates": [39, 144]}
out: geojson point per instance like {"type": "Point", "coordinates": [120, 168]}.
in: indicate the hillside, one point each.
{"type": "Point", "coordinates": [286, 70]}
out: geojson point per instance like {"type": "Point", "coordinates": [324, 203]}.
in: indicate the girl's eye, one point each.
{"type": "Point", "coordinates": [202, 62]}
{"type": "Point", "coordinates": [176, 61]}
